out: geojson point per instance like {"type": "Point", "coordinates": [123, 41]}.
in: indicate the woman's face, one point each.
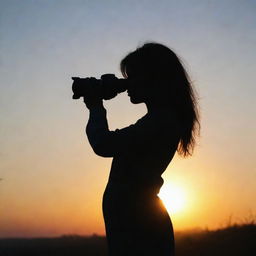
{"type": "Point", "coordinates": [138, 88]}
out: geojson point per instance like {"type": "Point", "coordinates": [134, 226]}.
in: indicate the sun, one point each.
{"type": "Point", "coordinates": [173, 197]}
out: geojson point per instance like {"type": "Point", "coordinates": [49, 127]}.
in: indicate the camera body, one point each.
{"type": "Point", "coordinates": [105, 88]}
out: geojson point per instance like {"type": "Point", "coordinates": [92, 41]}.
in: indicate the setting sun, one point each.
{"type": "Point", "coordinates": [173, 197]}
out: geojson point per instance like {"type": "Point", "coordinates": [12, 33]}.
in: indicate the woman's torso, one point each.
{"type": "Point", "coordinates": [136, 171]}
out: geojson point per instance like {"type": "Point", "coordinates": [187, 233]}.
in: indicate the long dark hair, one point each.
{"type": "Point", "coordinates": [164, 69]}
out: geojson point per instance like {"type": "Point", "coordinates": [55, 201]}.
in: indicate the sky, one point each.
{"type": "Point", "coordinates": [51, 181]}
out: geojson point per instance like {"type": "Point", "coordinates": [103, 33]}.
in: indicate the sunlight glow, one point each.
{"type": "Point", "coordinates": [173, 197]}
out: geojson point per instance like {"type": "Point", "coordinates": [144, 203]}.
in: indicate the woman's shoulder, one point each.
{"type": "Point", "coordinates": [159, 123]}
{"type": "Point", "coordinates": [164, 118]}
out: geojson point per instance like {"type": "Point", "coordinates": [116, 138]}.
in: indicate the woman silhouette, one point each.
{"type": "Point", "coordinates": [136, 220]}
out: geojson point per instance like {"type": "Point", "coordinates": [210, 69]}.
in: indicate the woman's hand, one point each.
{"type": "Point", "coordinates": [93, 102]}
{"type": "Point", "coordinates": [93, 97]}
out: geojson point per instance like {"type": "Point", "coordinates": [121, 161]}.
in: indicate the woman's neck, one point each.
{"type": "Point", "coordinates": [153, 107]}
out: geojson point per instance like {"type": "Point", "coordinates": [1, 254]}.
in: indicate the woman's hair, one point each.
{"type": "Point", "coordinates": [166, 74]}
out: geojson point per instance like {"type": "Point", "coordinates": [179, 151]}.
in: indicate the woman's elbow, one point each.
{"type": "Point", "coordinates": [102, 151]}
{"type": "Point", "coordinates": [101, 144]}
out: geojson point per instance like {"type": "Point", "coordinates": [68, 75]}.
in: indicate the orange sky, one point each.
{"type": "Point", "coordinates": [52, 183]}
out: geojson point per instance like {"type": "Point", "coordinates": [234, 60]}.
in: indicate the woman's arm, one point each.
{"type": "Point", "coordinates": [97, 130]}
{"type": "Point", "coordinates": [144, 133]}
{"type": "Point", "coordinates": [108, 143]}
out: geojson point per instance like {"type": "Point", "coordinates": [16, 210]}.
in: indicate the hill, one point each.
{"type": "Point", "coordinates": [237, 240]}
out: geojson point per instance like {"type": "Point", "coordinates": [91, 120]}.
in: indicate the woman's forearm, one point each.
{"type": "Point", "coordinates": [97, 128]}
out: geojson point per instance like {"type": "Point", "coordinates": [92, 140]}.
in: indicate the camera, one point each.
{"type": "Point", "coordinates": [107, 87]}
